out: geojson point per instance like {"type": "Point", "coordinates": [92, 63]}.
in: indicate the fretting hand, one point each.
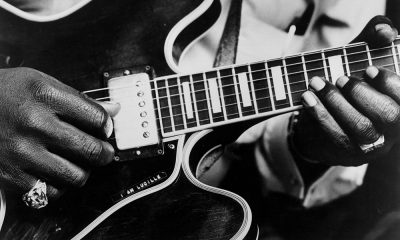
{"type": "Point", "coordinates": [50, 132]}
{"type": "Point", "coordinates": [341, 120]}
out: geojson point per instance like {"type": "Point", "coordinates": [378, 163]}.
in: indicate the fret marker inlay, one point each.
{"type": "Point", "coordinates": [244, 89]}
{"type": "Point", "coordinates": [188, 99]}
{"type": "Point", "coordinates": [279, 86]}
{"type": "Point", "coordinates": [215, 102]}
{"type": "Point", "coordinates": [336, 67]}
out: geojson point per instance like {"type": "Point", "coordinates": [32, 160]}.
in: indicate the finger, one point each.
{"type": "Point", "coordinates": [75, 108]}
{"type": "Point", "coordinates": [385, 81]}
{"type": "Point", "coordinates": [111, 108]}
{"type": "Point", "coordinates": [317, 110]}
{"type": "Point", "coordinates": [381, 109]}
{"type": "Point", "coordinates": [335, 135]}
{"type": "Point", "coordinates": [356, 125]}
{"type": "Point", "coordinates": [53, 169]}
{"type": "Point", "coordinates": [82, 148]}
{"type": "Point", "coordinates": [378, 32]}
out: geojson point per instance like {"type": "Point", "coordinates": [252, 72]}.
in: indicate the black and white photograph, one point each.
{"type": "Point", "coordinates": [200, 119]}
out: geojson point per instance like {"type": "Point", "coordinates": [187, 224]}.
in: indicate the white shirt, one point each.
{"type": "Point", "coordinates": [261, 36]}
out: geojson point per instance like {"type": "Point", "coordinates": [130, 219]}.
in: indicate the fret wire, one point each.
{"type": "Point", "coordinates": [221, 95]}
{"type": "Point", "coordinates": [208, 99]}
{"type": "Point", "coordinates": [316, 69]}
{"type": "Point", "coordinates": [299, 102]}
{"type": "Point", "coordinates": [287, 82]}
{"type": "Point", "coordinates": [396, 66]}
{"type": "Point", "coordinates": [263, 79]}
{"type": "Point", "coordinates": [235, 82]}
{"type": "Point", "coordinates": [253, 93]}
{"type": "Point", "coordinates": [194, 100]}
{"type": "Point", "coordinates": [313, 52]}
{"type": "Point", "coordinates": [159, 107]}
{"type": "Point", "coordinates": [182, 102]}
{"type": "Point", "coordinates": [269, 87]}
{"type": "Point", "coordinates": [324, 66]}
{"type": "Point", "coordinates": [170, 105]}
{"type": "Point", "coordinates": [346, 60]}
{"type": "Point", "coordinates": [360, 70]}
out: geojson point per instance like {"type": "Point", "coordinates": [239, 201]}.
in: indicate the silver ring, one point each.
{"type": "Point", "coordinates": [366, 148]}
{"type": "Point", "coordinates": [36, 197]}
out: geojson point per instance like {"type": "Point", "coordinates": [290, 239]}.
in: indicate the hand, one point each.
{"type": "Point", "coordinates": [338, 119]}
{"type": "Point", "coordinates": [49, 131]}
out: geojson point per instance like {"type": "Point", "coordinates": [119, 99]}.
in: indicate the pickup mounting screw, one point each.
{"type": "Point", "coordinates": [146, 134]}
{"type": "Point", "coordinates": [106, 74]}
{"type": "Point", "coordinates": [159, 151]}
{"type": "Point", "coordinates": [127, 72]}
{"type": "Point", "coordinates": [116, 158]}
{"type": "Point", "coordinates": [138, 152]}
{"type": "Point", "coordinates": [171, 146]}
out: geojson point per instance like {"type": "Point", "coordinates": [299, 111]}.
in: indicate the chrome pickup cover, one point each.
{"type": "Point", "coordinates": [135, 125]}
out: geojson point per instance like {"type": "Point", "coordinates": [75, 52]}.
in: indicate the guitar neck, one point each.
{"type": "Point", "coordinates": [191, 102]}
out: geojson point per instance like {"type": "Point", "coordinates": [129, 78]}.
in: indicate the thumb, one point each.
{"type": "Point", "coordinates": [378, 32]}
{"type": "Point", "coordinates": [112, 108]}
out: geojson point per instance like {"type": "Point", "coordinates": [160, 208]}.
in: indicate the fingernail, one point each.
{"type": "Point", "coordinates": [109, 127]}
{"type": "Point", "coordinates": [309, 99]}
{"type": "Point", "coordinates": [342, 81]}
{"type": "Point", "coordinates": [317, 83]}
{"type": "Point", "coordinates": [372, 72]}
{"type": "Point", "coordinates": [382, 26]}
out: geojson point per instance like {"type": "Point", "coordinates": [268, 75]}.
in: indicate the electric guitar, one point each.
{"type": "Point", "coordinates": [163, 130]}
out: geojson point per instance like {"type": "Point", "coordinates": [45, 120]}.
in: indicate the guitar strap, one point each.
{"type": "Point", "coordinates": [227, 49]}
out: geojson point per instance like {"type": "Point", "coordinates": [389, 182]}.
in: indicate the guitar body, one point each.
{"type": "Point", "coordinates": [143, 198]}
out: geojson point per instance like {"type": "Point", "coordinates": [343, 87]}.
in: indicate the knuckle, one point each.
{"type": "Point", "coordinates": [32, 119]}
{"type": "Point", "coordinates": [92, 150]}
{"type": "Point", "coordinates": [43, 92]}
{"type": "Point", "coordinates": [19, 149]}
{"type": "Point", "coordinates": [365, 127]}
{"type": "Point", "coordinates": [98, 117]}
{"type": "Point", "coordinates": [391, 116]}
{"type": "Point", "coordinates": [323, 116]}
{"type": "Point", "coordinates": [79, 178]}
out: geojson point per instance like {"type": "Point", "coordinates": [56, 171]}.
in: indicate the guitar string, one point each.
{"type": "Point", "coordinates": [231, 114]}
{"type": "Point", "coordinates": [258, 79]}
{"type": "Point", "coordinates": [260, 89]}
{"type": "Point", "coordinates": [344, 65]}
{"type": "Point", "coordinates": [288, 65]}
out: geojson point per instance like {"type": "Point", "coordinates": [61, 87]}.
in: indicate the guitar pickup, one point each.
{"type": "Point", "coordinates": [135, 125]}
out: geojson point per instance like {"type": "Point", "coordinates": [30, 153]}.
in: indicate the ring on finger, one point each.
{"type": "Point", "coordinates": [36, 197]}
{"type": "Point", "coordinates": [366, 148]}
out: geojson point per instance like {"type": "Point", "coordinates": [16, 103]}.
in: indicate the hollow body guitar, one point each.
{"type": "Point", "coordinates": [159, 197]}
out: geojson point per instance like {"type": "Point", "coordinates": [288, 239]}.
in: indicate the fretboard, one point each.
{"type": "Point", "coordinates": [192, 102]}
